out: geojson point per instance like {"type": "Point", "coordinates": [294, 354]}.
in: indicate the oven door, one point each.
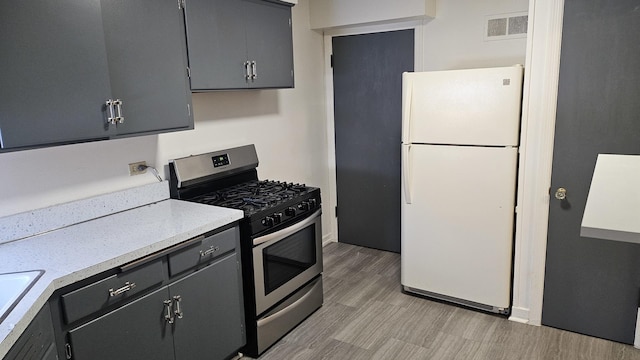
{"type": "Point", "coordinates": [286, 260]}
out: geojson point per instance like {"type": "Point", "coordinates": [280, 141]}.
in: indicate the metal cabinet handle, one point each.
{"type": "Point", "coordinates": [119, 118]}
{"type": "Point", "coordinates": [561, 194]}
{"type": "Point", "coordinates": [178, 311]}
{"type": "Point", "coordinates": [127, 286]}
{"type": "Point", "coordinates": [115, 111]}
{"type": "Point", "coordinates": [112, 116]}
{"type": "Point", "coordinates": [254, 70]}
{"type": "Point", "coordinates": [209, 251]}
{"type": "Point", "coordinates": [247, 70]}
{"type": "Point", "coordinates": [168, 317]}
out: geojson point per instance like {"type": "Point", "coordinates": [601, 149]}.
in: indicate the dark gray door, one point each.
{"type": "Point", "coordinates": [592, 286]}
{"type": "Point", "coordinates": [367, 80]}
{"type": "Point", "coordinates": [53, 72]}
{"type": "Point", "coordinates": [217, 44]}
{"type": "Point", "coordinates": [211, 300]}
{"type": "Point", "coordinates": [146, 50]}
{"type": "Point", "coordinates": [135, 331]}
{"type": "Point", "coordinates": [269, 44]}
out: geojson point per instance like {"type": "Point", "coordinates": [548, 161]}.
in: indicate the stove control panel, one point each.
{"type": "Point", "coordinates": [289, 212]}
{"type": "Point", "coordinates": [220, 160]}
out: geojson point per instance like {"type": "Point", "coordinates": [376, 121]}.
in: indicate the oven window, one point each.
{"type": "Point", "coordinates": [289, 257]}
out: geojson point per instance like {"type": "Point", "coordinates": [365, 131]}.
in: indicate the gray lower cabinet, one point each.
{"type": "Point", "coordinates": [62, 61]}
{"type": "Point", "coordinates": [184, 303]}
{"type": "Point", "coordinates": [134, 331]}
{"type": "Point", "coordinates": [37, 342]}
{"type": "Point", "coordinates": [236, 44]}
{"type": "Point", "coordinates": [210, 303]}
{"type": "Point", "coordinates": [196, 317]}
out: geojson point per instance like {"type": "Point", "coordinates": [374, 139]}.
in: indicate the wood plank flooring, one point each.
{"type": "Point", "coordinates": [366, 316]}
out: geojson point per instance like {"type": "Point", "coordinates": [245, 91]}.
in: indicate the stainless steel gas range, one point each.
{"type": "Point", "coordinates": [281, 237]}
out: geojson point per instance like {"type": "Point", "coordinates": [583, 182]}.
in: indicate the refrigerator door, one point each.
{"type": "Point", "coordinates": [463, 107]}
{"type": "Point", "coordinates": [457, 228]}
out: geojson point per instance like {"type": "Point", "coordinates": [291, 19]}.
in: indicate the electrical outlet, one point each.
{"type": "Point", "coordinates": [137, 168]}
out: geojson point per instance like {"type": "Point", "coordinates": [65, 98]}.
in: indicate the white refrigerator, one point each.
{"type": "Point", "coordinates": [460, 132]}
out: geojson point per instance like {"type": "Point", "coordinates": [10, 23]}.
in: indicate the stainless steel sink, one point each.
{"type": "Point", "coordinates": [13, 286]}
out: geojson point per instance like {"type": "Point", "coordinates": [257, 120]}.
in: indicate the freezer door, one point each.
{"type": "Point", "coordinates": [463, 107]}
{"type": "Point", "coordinates": [457, 230]}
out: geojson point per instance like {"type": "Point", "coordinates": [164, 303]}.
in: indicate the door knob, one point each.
{"type": "Point", "coordinates": [561, 194]}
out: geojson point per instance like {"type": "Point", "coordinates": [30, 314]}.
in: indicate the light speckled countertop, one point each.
{"type": "Point", "coordinates": [79, 251]}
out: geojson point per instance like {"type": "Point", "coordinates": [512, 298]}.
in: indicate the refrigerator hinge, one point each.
{"type": "Point", "coordinates": [189, 72]}
{"type": "Point", "coordinates": [515, 210]}
{"type": "Point", "coordinates": [181, 4]}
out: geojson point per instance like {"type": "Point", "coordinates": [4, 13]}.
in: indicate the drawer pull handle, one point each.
{"type": "Point", "coordinates": [127, 286]}
{"type": "Point", "coordinates": [178, 310]}
{"type": "Point", "coordinates": [209, 251]}
{"type": "Point", "coordinates": [168, 317]}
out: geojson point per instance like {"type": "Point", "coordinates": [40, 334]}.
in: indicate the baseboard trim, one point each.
{"type": "Point", "coordinates": [520, 315]}
{"type": "Point", "coordinates": [327, 239]}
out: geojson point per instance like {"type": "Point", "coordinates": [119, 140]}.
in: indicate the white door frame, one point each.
{"type": "Point", "coordinates": [328, 77]}
{"type": "Point", "coordinates": [542, 66]}
{"type": "Point", "coordinates": [536, 145]}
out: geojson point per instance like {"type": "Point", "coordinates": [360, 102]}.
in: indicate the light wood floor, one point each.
{"type": "Point", "coordinates": [366, 316]}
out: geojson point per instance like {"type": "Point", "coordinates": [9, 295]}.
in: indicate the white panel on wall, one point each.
{"type": "Point", "coordinates": [327, 14]}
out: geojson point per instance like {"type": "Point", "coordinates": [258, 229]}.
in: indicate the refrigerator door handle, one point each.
{"type": "Point", "coordinates": [407, 97]}
{"type": "Point", "coordinates": [406, 172]}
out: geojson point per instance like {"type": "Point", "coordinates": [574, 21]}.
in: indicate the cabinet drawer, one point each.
{"type": "Point", "coordinates": [201, 252]}
{"type": "Point", "coordinates": [104, 293]}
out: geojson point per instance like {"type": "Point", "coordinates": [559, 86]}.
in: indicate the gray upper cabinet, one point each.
{"type": "Point", "coordinates": [53, 71]}
{"type": "Point", "coordinates": [146, 52]}
{"type": "Point", "coordinates": [239, 44]}
{"type": "Point", "coordinates": [62, 61]}
{"type": "Point", "coordinates": [269, 44]}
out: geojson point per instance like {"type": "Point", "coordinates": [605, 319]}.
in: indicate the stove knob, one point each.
{"type": "Point", "coordinates": [304, 206]}
{"type": "Point", "coordinates": [277, 218]}
{"type": "Point", "coordinates": [312, 203]}
{"type": "Point", "coordinates": [290, 211]}
{"type": "Point", "coordinates": [267, 221]}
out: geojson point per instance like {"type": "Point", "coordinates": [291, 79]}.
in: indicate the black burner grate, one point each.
{"type": "Point", "coordinates": [253, 196]}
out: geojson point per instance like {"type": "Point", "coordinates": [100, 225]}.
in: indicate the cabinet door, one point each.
{"type": "Point", "coordinates": [135, 331]}
{"type": "Point", "coordinates": [213, 317]}
{"type": "Point", "coordinates": [269, 44]}
{"type": "Point", "coordinates": [217, 44]}
{"type": "Point", "coordinates": [53, 72]}
{"type": "Point", "coordinates": [146, 52]}
{"type": "Point", "coordinates": [37, 341]}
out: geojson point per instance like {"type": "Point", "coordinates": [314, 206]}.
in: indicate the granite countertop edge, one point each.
{"type": "Point", "coordinates": [80, 251]}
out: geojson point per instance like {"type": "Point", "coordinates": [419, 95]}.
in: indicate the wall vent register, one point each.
{"type": "Point", "coordinates": [506, 26]}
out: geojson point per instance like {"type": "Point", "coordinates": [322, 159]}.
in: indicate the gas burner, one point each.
{"type": "Point", "coordinates": [253, 196]}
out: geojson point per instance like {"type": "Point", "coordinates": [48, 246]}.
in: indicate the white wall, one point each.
{"type": "Point", "coordinates": [326, 14]}
{"type": "Point", "coordinates": [455, 38]}
{"type": "Point", "coordinates": [287, 127]}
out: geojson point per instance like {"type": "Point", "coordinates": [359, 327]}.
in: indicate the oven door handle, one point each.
{"type": "Point", "coordinates": [280, 234]}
